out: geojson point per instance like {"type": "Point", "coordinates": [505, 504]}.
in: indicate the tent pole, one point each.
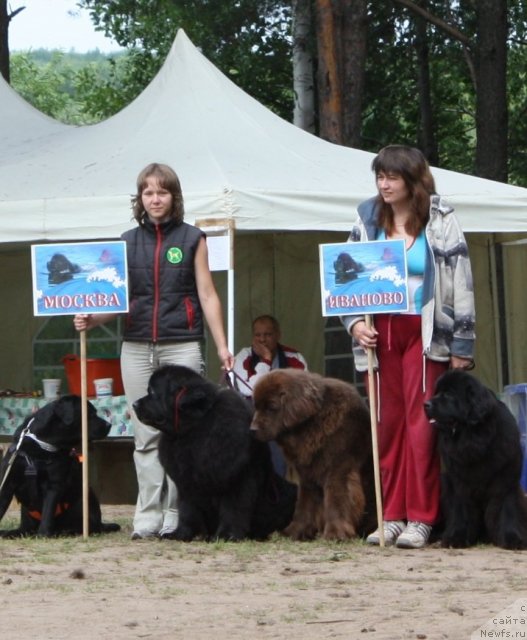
{"type": "Point", "coordinates": [230, 309]}
{"type": "Point", "coordinates": [223, 226]}
{"type": "Point", "coordinates": [498, 308]}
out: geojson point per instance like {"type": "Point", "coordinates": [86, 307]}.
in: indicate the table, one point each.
{"type": "Point", "coordinates": [114, 409]}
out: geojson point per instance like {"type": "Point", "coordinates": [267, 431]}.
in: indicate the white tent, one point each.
{"type": "Point", "coordinates": [234, 157]}
{"type": "Point", "coordinates": [22, 125]}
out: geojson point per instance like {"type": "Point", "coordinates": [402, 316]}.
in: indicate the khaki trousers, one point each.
{"type": "Point", "coordinates": [156, 509]}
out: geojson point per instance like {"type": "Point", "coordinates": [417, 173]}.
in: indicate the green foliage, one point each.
{"type": "Point", "coordinates": [248, 40]}
{"type": "Point", "coordinates": [106, 89]}
{"type": "Point", "coordinates": [391, 108]}
{"type": "Point", "coordinates": [44, 86]}
{"type": "Point", "coordinates": [518, 115]}
{"type": "Point", "coordinates": [49, 81]}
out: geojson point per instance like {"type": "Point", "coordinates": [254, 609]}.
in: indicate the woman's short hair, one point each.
{"type": "Point", "coordinates": [412, 166]}
{"type": "Point", "coordinates": [168, 180]}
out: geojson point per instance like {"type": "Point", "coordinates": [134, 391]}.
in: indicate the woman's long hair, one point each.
{"type": "Point", "coordinates": [412, 166]}
{"type": "Point", "coordinates": [168, 180]}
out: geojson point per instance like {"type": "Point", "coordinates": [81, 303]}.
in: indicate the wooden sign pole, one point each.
{"type": "Point", "coordinates": [84, 405]}
{"type": "Point", "coordinates": [372, 394]}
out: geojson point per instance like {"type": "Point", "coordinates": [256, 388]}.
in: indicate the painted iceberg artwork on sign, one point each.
{"type": "Point", "coordinates": [71, 278]}
{"type": "Point", "coordinates": [363, 277]}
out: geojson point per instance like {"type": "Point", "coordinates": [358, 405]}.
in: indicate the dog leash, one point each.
{"type": "Point", "coordinates": [237, 377]}
{"type": "Point", "coordinates": [26, 433]}
{"type": "Point", "coordinates": [23, 433]}
{"type": "Point", "coordinates": [50, 448]}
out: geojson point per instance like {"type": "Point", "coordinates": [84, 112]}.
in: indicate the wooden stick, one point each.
{"type": "Point", "coordinates": [84, 405]}
{"type": "Point", "coordinates": [372, 394]}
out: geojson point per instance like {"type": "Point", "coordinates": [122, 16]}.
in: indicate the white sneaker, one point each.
{"type": "Point", "coordinates": [392, 529]}
{"type": "Point", "coordinates": [144, 535]}
{"type": "Point", "coordinates": [415, 536]}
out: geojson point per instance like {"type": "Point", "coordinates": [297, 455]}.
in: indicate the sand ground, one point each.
{"type": "Point", "coordinates": [109, 587]}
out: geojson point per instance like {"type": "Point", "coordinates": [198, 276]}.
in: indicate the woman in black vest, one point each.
{"type": "Point", "coordinates": [171, 293]}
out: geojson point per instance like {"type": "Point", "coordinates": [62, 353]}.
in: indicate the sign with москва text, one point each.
{"type": "Point", "coordinates": [87, 277]}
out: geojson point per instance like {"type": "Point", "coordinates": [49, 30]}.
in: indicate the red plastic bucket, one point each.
{"type": "Point", "coordinates": [95, 368]}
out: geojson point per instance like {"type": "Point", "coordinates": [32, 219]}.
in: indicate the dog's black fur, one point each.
{"type": "Point", "coordinates": [61, 269]}
{"type": "Point", "coordinates": [227, 488]}
{"type": "Point", "coordinates": [48, 484]}
{"type": "Point", "coordinates": [346, 268]}
{"type": "Point", "coordinates": [481, 454]}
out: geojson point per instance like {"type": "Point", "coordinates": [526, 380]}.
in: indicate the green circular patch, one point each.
{"type": "Point", "coordinates": [174, 255]}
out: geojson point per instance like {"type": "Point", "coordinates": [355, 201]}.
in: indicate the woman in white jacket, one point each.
{"type": "Point", "coordinates": [414, 348]}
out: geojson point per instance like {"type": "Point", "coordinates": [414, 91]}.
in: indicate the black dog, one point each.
{"type": "Point", "coordinates": [61, 269]}
{"type": "Point", "coordinates": [479, 445]}
{"type": "Point", "coordinates": [346, 268]}
{"type": "Point", "coordinates": [226, 484]}
{"type": "Point", "coordinates": [42, 471]}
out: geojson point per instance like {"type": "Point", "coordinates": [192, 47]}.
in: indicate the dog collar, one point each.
{"type": "Point", "coordinates": [179, 394]}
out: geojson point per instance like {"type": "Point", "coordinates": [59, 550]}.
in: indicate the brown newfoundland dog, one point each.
{"type": "Point", "coordinates": [323, 427]}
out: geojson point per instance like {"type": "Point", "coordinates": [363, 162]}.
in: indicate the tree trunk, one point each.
{"type": "Point", "coordinates": [303, 73]}
{"type": "Point", "coordinates": [4, 41]}
{"type": "Point", "coordinates": [341, 45]}
{"type": "Point", "coordinates": [328, 81]}
{"type": "Point", "coordinates": [353, 55]}
{"type": "Point", "coordinates": [490, 81]}
{"type": "Point", "coordinates": [5, 19]}
{"type": "Point", "coordinates": [426, 132]}
{"type": "Point", "coordinates": [491, 97]}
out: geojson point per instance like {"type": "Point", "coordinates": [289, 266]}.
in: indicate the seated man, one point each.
{"type": "Point", "coordinates": [264, 354]}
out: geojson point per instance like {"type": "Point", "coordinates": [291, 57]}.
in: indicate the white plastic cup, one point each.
{"type": "Point", "coordinates": [51, 388]}
{"type": "Point", "coordinates": [103, 387]}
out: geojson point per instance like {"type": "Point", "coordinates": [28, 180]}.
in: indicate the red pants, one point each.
{"type": "Point", "coordinates": [408, 459]}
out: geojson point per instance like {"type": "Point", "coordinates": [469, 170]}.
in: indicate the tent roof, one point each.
{"type": "Point", "coordinates": [21, 124]}
{"type": "Point", "coordinates": [234, 158]}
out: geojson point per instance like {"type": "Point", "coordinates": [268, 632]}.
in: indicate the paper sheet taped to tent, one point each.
{"type": "Point", "coordinates": [89, 277]}
{"type": "Point", "coordinates": [363, 277]}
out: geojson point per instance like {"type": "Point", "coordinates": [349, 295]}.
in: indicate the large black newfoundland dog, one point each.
{"type": "Point", "coordinates": [480, 450]}
{"type": "Point", "coordinates": [227, 488]}
{"type": "Point", "coordinates": [60, 269]}
{"type": "Point", "coordinates": [42, 471]}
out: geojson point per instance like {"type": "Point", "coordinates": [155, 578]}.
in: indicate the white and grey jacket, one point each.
{"type": "Point", "coordinates": [448, 312]}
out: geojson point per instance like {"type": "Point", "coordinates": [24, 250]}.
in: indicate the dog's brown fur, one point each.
{"type": "Point", "coordinates": [323, 427]}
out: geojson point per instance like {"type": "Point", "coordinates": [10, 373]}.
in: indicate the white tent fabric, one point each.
{"type": "Point", "coordinates": [234, 158]}
{"type": "Point", "coordinates": [22, 125]}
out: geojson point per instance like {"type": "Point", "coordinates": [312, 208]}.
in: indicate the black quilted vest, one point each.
{"type": "Point", "coordinates": [164, 304]}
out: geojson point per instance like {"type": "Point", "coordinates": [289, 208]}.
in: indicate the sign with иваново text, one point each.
{"type": "Point", "coordinates": [363, 277]}
{"type": "Point", "coordinates": [87, 277]}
